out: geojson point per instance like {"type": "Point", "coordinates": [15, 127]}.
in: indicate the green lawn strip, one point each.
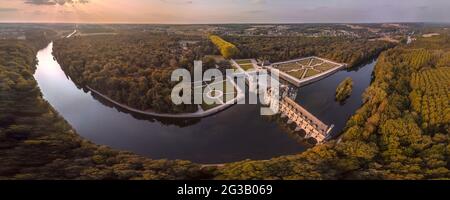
{"type": "Point", "coordinates": [227, 84]}
{"type": "Point", "coordinates": [325, 67]}
{"type": "Point", "coordinates": [304, 62]}
{"type": "Point", "coordinates": [205, 106]}
{"type": "Point", "coordinates": [311, 72]}
{"type": "Point", "coordinates": [246, 61]}
{"type": "Point", "coordinates": [288, 67]}
{"type": "Point", "coordinates": [316, 61]}
{"type": "Point", "coordinates": [297, 74]}
{"type": "Point", "coordinates": [247, 67]}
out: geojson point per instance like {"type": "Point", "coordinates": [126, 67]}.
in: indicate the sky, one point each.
{"type": "Point", "coordinates": [224, 11]}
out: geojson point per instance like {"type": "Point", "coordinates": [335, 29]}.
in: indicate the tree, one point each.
{"type": "Point", "coordinates": [344, 89]}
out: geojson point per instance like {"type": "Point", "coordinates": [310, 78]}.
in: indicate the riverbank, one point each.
{"type": "Point", "coordinates": [39, 144]}
{"type": "Point", "coordinates": [198, 114]}
{"type": "Point", "coordinates": [222, 138]}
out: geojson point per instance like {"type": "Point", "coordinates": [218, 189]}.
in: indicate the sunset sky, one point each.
{"type": "Point", "coordinates": [224, 11]}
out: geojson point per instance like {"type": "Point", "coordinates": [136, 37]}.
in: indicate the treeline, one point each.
{"type": "Point", "coordinates": [227, 49]}
{"type": "Point", "coordinates": [37, 143]}
{"type": "Point", "coordinates": [386, 138]}
{"type": "Point", "coordinates": [133, 69]}
{"type": "Point", "coordinates": [340, 49]}
{"type": "Point", "coordinates": [39, 38]}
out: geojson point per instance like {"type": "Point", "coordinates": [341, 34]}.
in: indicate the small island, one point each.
{"type": "Point", "coordinates": [344, 89]}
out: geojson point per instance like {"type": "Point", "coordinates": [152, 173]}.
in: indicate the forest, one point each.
{"type": "Point", "coordinates": [340, 49]}
{"type": "Point", "coordinates": [133, 69]}
{"type": "Point", "coordinates": [37, 143]}
{"type": "Point", "coordinates": [400, 132]}
{"type": "Point", "coordinates": [138, 74]}
{"type": "Point", "coordinates": [396, 134]}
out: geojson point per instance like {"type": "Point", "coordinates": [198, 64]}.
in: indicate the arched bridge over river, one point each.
{"type": "Point", "coordinates": [307, 125]}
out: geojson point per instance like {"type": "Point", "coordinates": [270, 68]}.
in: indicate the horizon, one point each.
{"type": "Point", "coordinates": [223, 12]}
{"type": "Point", "coordinates": [224, 23]}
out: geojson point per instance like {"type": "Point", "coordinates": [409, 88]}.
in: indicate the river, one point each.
{"type": "Point", "coordinates": [235, 134]}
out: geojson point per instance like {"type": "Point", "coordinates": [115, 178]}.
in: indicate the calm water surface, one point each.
{"type": "Point", "coordinates": [236, 134]}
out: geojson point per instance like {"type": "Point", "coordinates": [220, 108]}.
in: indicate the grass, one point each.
{"type": "Point", "coordinates": [311, 72]}
{"type": "Point", "coordinates": [294, 68]}
{"type": "Point", "coordinates": [297, 74]}
{"type": "Point", "coordinates": [247, 67]}
{"type": "Point", "coordinates": [225, 84]}
{"type": "Point", "coordinates": [206, 106]}
{"type": "Point", "coordinates": [316, 62]}
{"type": "Point", "coordinates": [325, 66]}
{"type": "Point", "coordinates": [288, 67]}
{"type": "Point", "coordinates": [304, 62]}
{"type": "Point", "coordinates": [246, 61]}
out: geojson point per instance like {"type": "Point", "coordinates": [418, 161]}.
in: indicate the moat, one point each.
{"type": "Point", "coordinates": [235, 134]}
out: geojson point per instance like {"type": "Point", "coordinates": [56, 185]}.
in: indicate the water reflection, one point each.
{"type": "Point", "coordinates": [235, 134]}
{"type": "Point", "coordinates": [166, 121]}
{"type": "Point", "coordinates": [318, 98]}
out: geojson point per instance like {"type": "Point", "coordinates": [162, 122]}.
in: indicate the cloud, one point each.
{"type": "Point", "coordinates": [55, 2]}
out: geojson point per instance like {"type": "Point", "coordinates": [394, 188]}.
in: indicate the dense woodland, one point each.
{"type": "Point", "coordinates": [37, 143]}
{"type": "Point", "coordinates": [138, 74]}
{"type": "Point", "coordinates": [401, 131]}
{"type": "Point", "coordinates": [132, 69]}
{"type": "Point", "coordinates": [340, 49]}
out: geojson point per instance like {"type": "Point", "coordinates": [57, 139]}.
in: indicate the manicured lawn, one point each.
{"type": "Point", "coordinates": [311, 72]}
{"type": "Point", "coordinates": [247, 67]}
{"type": "Point", "coordinates": [225, 85]}
{"type": "Point", "coordinates": [304, 62]}
{"type": "Point", "coordinates": [243, 62]}
{"type": "Point", "coordinates": [325, 66]}
{"type": "Point", "coordinates": [297, 74]}
{"type": "Point", "coordinates": [206, 106]}
{"type": "Point", "coordinates": [316, 62]}
{"type": "Point", "coordinates": [288, 66]}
